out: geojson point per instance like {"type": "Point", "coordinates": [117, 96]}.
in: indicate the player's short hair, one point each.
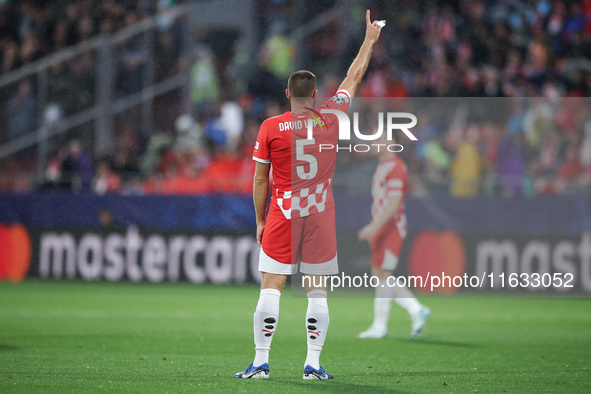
{"type": "Point", "coordinates": [301, 84]}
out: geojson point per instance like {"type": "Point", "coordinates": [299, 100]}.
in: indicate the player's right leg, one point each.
{"type": "Point", "coordinates": [317, 321]}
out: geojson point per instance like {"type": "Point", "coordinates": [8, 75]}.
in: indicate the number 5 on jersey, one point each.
{"type": "Point", "coordinates": [308, 158]}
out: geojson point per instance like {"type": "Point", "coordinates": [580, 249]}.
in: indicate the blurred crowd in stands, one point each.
{"type": "Point", "coordinates": [31, 29]}
{"type": "Point", "coordinates": [461, 48]}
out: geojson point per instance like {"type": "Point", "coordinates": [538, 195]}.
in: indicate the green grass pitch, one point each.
{"type": "Point", "coordinates": [62, 337]}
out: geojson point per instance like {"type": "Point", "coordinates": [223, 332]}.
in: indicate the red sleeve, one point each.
{"type": "Point", "coordinates": [396, 180]}
{"type": "Point", "coordinates": [341, 101]}
{"type": "Point", "coordinates": [261, 147]}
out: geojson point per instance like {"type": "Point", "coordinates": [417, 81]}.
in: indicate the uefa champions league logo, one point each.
{"type": "Point", "coordinates": [391, 125]}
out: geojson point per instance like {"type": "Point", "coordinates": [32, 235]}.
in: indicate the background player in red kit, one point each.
{"type": "Point", "coordinates": [299, 227]}
{"type": "Point", "coordinates": [385, 235]}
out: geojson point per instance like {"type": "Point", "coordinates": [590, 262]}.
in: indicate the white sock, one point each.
{"type": "Point", "coordinates": [265, 320]}
{"type": "Point", "coordinates": [404, 297]}
{"type": "Point", "coordinates": [316, 325]}
{"type": "Point", "coordinates": [381, 306]}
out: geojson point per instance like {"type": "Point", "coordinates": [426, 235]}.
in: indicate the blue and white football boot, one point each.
{"type": "Point", "coordinates": [316, 374]}
{"type": "Point", "coordinates": [419, 320]}
{"type": "Point", "coordinates": [252, 372]}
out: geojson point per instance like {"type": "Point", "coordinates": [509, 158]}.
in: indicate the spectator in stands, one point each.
{"type": "Point", "coordinates": [10, 57]}
{"type": "Point", "coordinates": [537, 122]}
{"type": "Point", "coordinates": [215, 130]}
{"type": "Point", "coordinates": [106, 180]}
{"type": "Point", "coordinates": [29, 48]}
{"type": "Point", "coordinates": [466, 168]}
{"type": "Point", "coordinates": [132, 67]}
{"type": "Point", "coordinates": [85, 27]}
{"type": "Point", "coordinates": [60, 38]}
{"type": "Point", "coordinates": [464, 48]}
{"type": "Point", "coordinates": [77, 168]}
{"type": "Point", "coordinates": [204, 80]}
{"type": "Point", "coordinates": [278, 54]}
{"type": "Point", "coordinates": [53, 170]}
{"type": "Point", "coordinates": [512, 165]}
{"type": "Point", "coordinates": [264, 87]}
{"type": "Point", "coordinates": [436, 164]}
{"type": "Point", "coordinates": [125, 164]}
{"type": "Point", "coordinates": [189, 134]}
{"type": "Point", "coordinates": [22, 112]}
{"type": "Point", "coordinates": [83, 88]}
{"type": "Point", "coordinates": [167, 57]}
{"type": "Point", "coordinates": [133, 187]}
{"type": "Point", "coordinates": [569, 172]}
{"type": "Point", "coordinates": [232, 122]}
{"type": "Point", "coordinates": [59, 87]}
{"type": "Point", "coordinates": [153, 157]}
{"type": "Point", "coordinates": [550, 154]}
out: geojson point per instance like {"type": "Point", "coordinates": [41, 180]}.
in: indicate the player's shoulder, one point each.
{"type": "Point", "coordinates": [395, 165]}
{"type": "Point", "coordinates": [401, 164]}
{"type": "Point", "coordinates": [399, 161]}
{"type": "Point", "coordinates": [272, 123]}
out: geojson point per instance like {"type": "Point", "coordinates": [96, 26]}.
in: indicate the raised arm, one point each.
{"type": "Point", "coordinates": [359, 65]}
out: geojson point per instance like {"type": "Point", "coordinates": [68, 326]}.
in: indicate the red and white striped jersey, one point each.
{"type": "Point", "coordinates": [390, 179]}
{"type": "Point", "coordinates": [302, 173]}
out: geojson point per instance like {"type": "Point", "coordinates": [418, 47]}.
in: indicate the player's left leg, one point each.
{"type": "Point", "coordinates": [265, 320]}
{"type": "Point", "coordinates": [418, 313]}
{"type": "Point", "coordinates": [266, 315]}
{"type": "Point", "coordinates": [385, 249]}
{"type": "Point", "coordinates": [275, 263]}
{"type": "Point", "coordinates": [381, 306]}
{"type": "Point", "coordinates": [401, 294]}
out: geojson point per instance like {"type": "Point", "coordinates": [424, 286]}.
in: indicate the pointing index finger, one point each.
{"type": "Point", "coordinates": [367, 20]}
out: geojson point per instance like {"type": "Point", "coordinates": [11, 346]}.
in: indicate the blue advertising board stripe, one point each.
{"type": "Point", "coordinates": [562, 215]}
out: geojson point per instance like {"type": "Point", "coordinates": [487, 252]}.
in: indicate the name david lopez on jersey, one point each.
{"type": "Point", "coordinates": [293, 125]}
{"type": "Point", "coordinates": [310, 123]}
{"type": "Point", "coordinates": [300, 124]}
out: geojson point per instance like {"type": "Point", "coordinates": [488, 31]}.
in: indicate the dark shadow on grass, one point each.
{"type": "Point", "coordinates": [442, 373]}
{"type": "Point", "coordinates": [337, 386]}
{"type": "Point", "coordinates": [403, 376]}
{"type": "Point", "coordinates": [439, 342]}
{"type": "Point", "coordinates": [7, 348]}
